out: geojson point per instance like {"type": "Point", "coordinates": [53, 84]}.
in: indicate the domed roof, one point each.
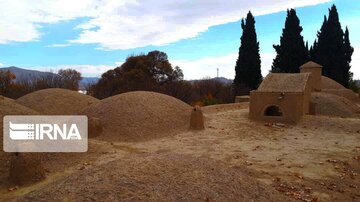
{"type": "Point", "coordinates": [140, 115]}
{"type": "Point", "coordinates": [55, 101]}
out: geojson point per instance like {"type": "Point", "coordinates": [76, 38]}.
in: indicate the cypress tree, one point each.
{"type": "Point", "coordinates": [292, 52]}
{"type": "Point", "coordinates": [314, 48]}
{"type": "Point", "coordinates": [333, 50]}
{"type": "Point", "coordinates": [348, 51]}
{"type": "Point", "coordinates": [248, 65]}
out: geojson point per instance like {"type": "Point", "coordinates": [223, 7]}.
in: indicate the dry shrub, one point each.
{"type": "Point", "coordinates": [66, 79]}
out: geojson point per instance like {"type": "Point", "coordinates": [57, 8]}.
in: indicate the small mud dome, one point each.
{"type": "Point", "coordinates": [167, 177]}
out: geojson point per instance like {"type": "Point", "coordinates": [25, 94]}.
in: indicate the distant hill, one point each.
{"type": "Point", "coordinates": [223, 80]}
{"type": "Point", "coordinates": [85, 81]}
{"type": "Point", "coordinates": [27, 75]}
{"type": "Point", "coordinates": [219, 79]}
{"type": "Point", "coordinates": [357, 82]}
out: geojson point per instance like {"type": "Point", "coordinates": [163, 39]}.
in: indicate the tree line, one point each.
{"type": "Point", "coordinates": [331, 49]}
{"type": "Point", "coordinates": [154, 72]}
{"type": "Point", "coordinates": [65, 78]}
{"type": "Point", "coordinates": [144, 72]}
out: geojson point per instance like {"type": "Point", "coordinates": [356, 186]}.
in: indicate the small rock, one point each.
{"type": "Point", "coordinates": [13, 188]}
{"type": "Point", "coordinates": [280, 125]}
{"type": "Point", "coordinates": [298, 176]}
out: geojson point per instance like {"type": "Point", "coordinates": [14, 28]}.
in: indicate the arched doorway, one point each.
{"type": "Point", "coordinates": [273, 110]}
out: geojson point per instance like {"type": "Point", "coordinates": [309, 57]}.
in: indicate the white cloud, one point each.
{"type": "Point", "coordinates": [355, 63]}
{"type": "Point", "coordinates": [193, 69]}
{"type": "Point", "coordinates": [266, 62]}
{"type": "Point", "coordinates": [196, 69]}
{"type": "Point", "coordinates": [20, 20]}
{"type": "Point", "coordinates": [124, 24]}
{"type": "Point", "coordinates": [207, 67]}
{"type": "Point", "coordinates": [1, 64]}
{"type": "Point", "coordinates": [59, 45]}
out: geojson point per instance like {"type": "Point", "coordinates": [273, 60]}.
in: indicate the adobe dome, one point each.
{"type": "Point", "coordinates": [139, 115]}
{"type": "Point", "coordinates": [55, 101]}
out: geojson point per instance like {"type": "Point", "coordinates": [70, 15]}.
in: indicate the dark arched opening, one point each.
{"type": "Point", "coordinates": [273, 111]}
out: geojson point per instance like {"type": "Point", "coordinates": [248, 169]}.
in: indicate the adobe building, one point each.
{"type": "Point", "coordinates": [325, 84]}
{"type": "Point", "coordinates": [284, 97]}
{"type": "Point", "coordinates": [315, 77]}
{"type": "Point", "coordinates": [281, 98]}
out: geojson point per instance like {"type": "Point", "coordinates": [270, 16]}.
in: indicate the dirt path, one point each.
{"type": "Point", "coordinates": [318, 159]}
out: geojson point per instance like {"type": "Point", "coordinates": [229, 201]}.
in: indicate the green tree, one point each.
{"type": "Point", "coordinates": [292, 52]}
{"type": "Point", "coordinates": [333, 50]}
{"type": "Point", "coordinates": [248, 65]}
{"type": "Point", "coordinates": [151, 72]}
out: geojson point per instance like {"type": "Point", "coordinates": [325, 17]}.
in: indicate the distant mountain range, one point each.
{"type": "Point", "coordinates": [223, 80]}
{"type": "Point", "coordinates": [27, 75]}
{"type": "Point", "coordinates": [219, 79]}
{"type": "Point", "coordinates": [357, 82]}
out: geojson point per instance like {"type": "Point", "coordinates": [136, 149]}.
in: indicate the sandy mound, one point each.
{"type": "Point", "coordinates": [137, 116]}
{"type": "Point", "coordinates": [332, 87]}
{"type": "Point", "coordinates": [333, 105]}
{"type": "Point", "coordinates": [346, 93]}
{"type": "Point", "coordinates": [56, 101]}
{"type": "Point", "coordinates": [10, 107]}
{"type": "Point", "coordinates": [158, 178]}
{"type": "Point", "coordinates": [327, 83]}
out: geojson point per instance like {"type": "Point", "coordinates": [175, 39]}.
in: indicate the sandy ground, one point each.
{"type": "Point", "coordinates": [232, 159]}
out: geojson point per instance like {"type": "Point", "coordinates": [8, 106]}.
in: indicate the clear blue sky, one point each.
{"type": "Point", "coordinates": [94, 36]}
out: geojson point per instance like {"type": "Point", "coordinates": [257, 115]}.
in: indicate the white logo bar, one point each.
{"type": "Point", "coordinates": [21, 126]}
{"type": "Point", "coordinates": [45, 134]}
{"type": "Point", "coordinates": [21, 135]}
